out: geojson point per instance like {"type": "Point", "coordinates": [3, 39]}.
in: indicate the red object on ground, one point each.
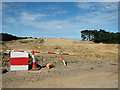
{"type": "Point", "coordinates": [63, 60]}
{"type": "Point", "coordinates": [51, 53]}
{"type": "Point", "coordinates": [18, 51]}
{"type": "Point", "coordinates": [61, 57]}
{"type": "Point", "coordinates": [32, 52]}
{"type": "Point", "coordinates": [65, 53]}
{"type": "Point", "coordinates": [34, 66]}
{"type": "Point", "coordinates": [19, 61]}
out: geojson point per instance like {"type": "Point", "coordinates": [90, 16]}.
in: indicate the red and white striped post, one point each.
{"type": "Point", "coordinates": [63, 60]}
{"type": "Point", "coordinates": [34, 66]}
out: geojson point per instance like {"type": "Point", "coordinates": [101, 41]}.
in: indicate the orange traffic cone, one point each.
{"type": "Point", "coordinates": [34, 66]}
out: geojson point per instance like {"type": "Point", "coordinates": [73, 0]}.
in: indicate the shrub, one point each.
{"type": "Point", "coordinates": [27, 41]}
{"type": "Point", "coordinates": [41, 40]}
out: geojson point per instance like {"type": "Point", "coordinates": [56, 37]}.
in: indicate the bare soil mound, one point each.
{"type": "Point", "coordinates": [86, 49]}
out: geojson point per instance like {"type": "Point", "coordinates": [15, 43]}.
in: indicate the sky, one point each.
{"type": "Point", "coordinates": [58, 19]}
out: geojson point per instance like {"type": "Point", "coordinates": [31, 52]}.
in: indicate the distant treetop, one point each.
{"type": "Point", "coordinates": [100, 36]}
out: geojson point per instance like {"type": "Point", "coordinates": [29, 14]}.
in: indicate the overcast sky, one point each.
{"type": "Point", "coordinates": [58, 20]}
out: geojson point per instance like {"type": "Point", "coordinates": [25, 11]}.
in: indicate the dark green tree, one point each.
{"type": "Point", "coordinates": [100, 36]}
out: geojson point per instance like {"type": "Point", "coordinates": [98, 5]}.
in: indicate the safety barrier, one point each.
{"type": "Point", "coordinates": [21, 57]}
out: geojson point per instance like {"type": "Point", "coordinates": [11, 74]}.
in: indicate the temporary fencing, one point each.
{"type": "Point", "coordinates": [42, 52]}
{"type": "Point", "coordinates": [19, 59]}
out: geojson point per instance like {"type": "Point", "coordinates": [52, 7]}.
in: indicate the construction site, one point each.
{"type": "Point", "coordinates": [92, 65]}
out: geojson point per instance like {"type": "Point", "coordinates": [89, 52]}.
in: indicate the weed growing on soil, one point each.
{"type": "Point", "coordinates": [41, 40]}
{"type": "Point", "coordinates": [27, 41]}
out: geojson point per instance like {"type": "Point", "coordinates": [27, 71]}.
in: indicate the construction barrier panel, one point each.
{"type": "Point", "coordinates": [18, 61]}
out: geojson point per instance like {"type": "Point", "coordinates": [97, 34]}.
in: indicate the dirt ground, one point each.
{"type": "Point", "coordinates": [92, 66]}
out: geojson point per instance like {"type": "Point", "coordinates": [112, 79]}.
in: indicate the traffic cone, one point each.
{"type": "Point", "coordinates": [34, 66]}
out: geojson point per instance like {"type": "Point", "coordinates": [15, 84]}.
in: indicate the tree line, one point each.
{"type": "Point", "coordinates": [9, 37]}
{"type": "Point", "coordinates": [100, 36]}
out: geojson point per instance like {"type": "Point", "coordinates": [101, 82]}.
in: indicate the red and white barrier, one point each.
{"type": "Point", "coordinates": [18, 61]}
{"type": "Point", "coordinates": [18, 51]}
{"type": "Point", "coordinates": [43, 52]}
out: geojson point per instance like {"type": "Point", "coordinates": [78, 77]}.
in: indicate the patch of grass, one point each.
{"type": "Point", "coordinates": [27, 41]}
